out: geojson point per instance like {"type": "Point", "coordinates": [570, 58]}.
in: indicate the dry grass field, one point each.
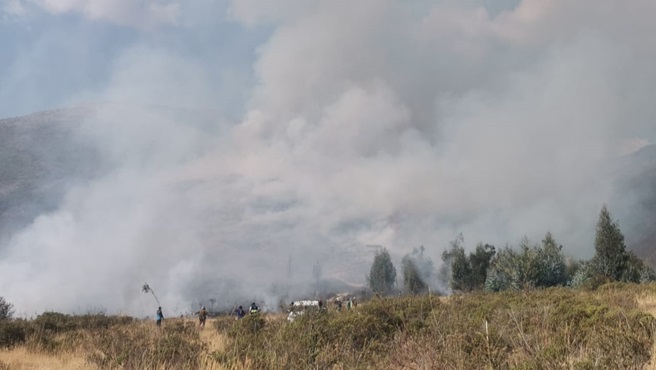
{"type": "Point", "coordinates": [612, 327]}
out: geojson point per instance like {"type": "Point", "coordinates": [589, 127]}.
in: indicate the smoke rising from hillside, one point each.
{"type": "Point", "coordinates": [375, 122]}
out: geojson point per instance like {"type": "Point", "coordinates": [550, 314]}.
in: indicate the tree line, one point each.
{"type": "Point", "coordinates": [537, 265]}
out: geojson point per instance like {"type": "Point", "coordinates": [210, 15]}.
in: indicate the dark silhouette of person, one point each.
{"type": "Point", "coordinates": [240, 312]}
{"type": "Point", "coordinates": [202, 316]}
{"type": "Point", "coordinates": [159, 316]}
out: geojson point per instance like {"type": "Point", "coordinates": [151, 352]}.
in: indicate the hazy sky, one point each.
{"type": "Point", "coordinates": [55, 53]}
{"type": "Point", "coordinates": [313, 129]}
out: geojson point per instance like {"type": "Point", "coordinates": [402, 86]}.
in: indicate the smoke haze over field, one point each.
{"type": "Point", "coordinates": [233, 135]}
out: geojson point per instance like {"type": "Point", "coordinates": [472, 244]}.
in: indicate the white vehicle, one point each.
{"type": "Point", "coordinates": [298, 308]}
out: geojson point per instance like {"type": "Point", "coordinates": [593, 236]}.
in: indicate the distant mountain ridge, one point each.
{"type": "Point", "coordinates": [40, 156]}
{"type": "Point", "coordinates": [635, 190]}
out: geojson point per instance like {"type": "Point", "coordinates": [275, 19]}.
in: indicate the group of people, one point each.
{"type": "Point", "coordinates": [202, 314]}
{"type": "Point", "coordinates": [351, 302]}
{"type": "Point", "coordinates": [253, 309]}
{"type": "Point", "coordinates": [240, 313]}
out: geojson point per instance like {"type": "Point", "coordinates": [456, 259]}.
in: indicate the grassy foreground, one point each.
{"type": "Point", "coordinates": [612, 327]}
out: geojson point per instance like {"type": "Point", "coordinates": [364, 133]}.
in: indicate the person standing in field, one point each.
{"type": "Point", "coordinates": [159, 316]}
{"type": "Point", "coordinates": [202, 316]}
{"type": "Point", "coordinates": [240, 312]}
{"type": "Point", "coordinates": [254, 309]}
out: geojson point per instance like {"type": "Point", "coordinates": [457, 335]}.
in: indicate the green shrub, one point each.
{"type": "Point", "coordinates": [540, 329]}
{"type": "Point", "coordinates": [12, 333]}
{"type": "Point", "coordinates": [54, 322]}
{"type": "Point", "coordinates": [247, 326]}
{"type": "Point", "coordinates": [6, 309]}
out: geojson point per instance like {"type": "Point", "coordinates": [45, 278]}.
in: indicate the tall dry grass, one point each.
{"type": "Point", "coordinates": [545, 329]}
{"type": "Point", "coordinates": [610, 328]}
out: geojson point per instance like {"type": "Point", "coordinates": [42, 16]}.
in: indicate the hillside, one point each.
{"type": "Point", "coordinates": [635, 194]}
{"type": "Point", "coordinates": [40, 156]}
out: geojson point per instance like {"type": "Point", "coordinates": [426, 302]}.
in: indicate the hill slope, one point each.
{"type": "Point", "coordinates": [635, 197]}
{"type": "Point", "coordinates": [40, 156]}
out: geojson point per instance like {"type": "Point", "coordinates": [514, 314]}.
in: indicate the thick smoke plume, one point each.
{"type": "Point", "coordinates": [370, 122]}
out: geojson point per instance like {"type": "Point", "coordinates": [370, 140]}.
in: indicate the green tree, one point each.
{"type": "Point", "coordinates": [502, 275]}
{"type": "Point", "coordinates": [466, 273]}
{"type": "Point", "coordinates": [611, 259]}
{"type": "Point", "coordinates": [479, 262]}
{"type": "Point", "coordinates": [457, 263]}
{"type": "Point", "coordinates": [574, 267]}
{"type": "Point", "coordinates": [552, 268]}
{"type": "Point", "coordinates": [411, 276]}
{"type": "Point", "coordinates": [531, 266]}
{"type": "Point", "coordinates": [382, 275]}
{"type": "Point", "coordinates": [417, 271]}
{"type": "Point", "coordinates": [6, 309]}
{"type": "Point", "coordinates": [637, 271]}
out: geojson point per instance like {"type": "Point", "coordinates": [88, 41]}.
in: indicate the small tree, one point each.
{"type": "Point", "coordinates": [552, 269]}
{"type": "Point", "coordinates": [458, 265]}
{"type": "Point", "coordinates": [417, 271]}
{"type": "Point", "coordinates": [502, 274]}
{"type": "Point", "coordinates": [382, 276]}
{"type": "Point", "coordinates": [479, 261]}
{"type": "Point", "coordinates": [411, 277]}
{"type": "Point", "coordinates": [6, 309]}
{"type": "Point", "coordinates": [467, 273]}
{"type": "Point", "coordinates": [610, 259]}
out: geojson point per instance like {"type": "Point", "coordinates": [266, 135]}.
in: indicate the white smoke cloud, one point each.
{"type": "Point", "coordinates": [13, 8]}
{"type": "Point", "coordinates": [372, 122]}
{"type": "Point", "coordinates": [132, 13]}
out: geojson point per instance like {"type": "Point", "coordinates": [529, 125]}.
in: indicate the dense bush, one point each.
{"type": "Point", "coordinates": [58, 322]}
{"type": "Point", "coordinates": [467, 273]}
{"type": "Point", "coordinates": [532, 266]}
{"type": "Point", "coordinates": [12, 333]}
{"type": "Point", "coordinates": [548, 329]}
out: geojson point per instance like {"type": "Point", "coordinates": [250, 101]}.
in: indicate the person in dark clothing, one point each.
{"type": "Point", "coordinates": [202, 316]}
{"type": "Point", "coordinates": [159, 316]}
{"type": "Point", "coordinates": [254, 309]}
{"type": "Point", "coordinates": [240, 312]}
